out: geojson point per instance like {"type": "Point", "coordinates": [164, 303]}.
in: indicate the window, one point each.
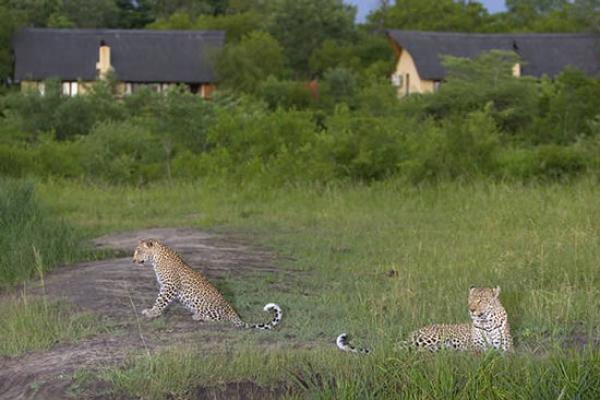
{"type": "Point", "coordinates": [397, 80]}
{"type": "Point", "coordinates": [70, 88]}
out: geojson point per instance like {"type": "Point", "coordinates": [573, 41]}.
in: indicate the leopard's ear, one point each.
{"type": "Point", "coordinates": [471, 288]}
{"type": "Point", "coordinates": [497, 291]}
{"type": "Point", "coordinates": [147, 243]}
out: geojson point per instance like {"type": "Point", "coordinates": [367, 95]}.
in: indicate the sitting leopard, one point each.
{"type": "Point", "coordinates": [178, 281]}
{"type": "Point", "coordinates": [488, 329]}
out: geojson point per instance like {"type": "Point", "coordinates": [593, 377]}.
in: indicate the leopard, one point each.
{"type": "Point", "coordinates": [177, 280]}
{"type": "Point", "coordinates": [489, 329]}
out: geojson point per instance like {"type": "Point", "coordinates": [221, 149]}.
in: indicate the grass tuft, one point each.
{"type": "Point", "coordinates": [34, 324]}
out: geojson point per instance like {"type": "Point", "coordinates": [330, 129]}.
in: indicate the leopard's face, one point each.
{"type": "Point", "coordinates": [483, 303]}
{"type": "Point", "coordinates": [144, 252]}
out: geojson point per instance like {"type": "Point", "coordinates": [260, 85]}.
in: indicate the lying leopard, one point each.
{"type": "Point", "coordinates": [488, 329]}
{"type": "Point", "coordinates": [178, 281]}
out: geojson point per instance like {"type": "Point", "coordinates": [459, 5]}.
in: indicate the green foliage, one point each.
{"type": "Point", "coordinates": [242, 66]}
{"type": "Point", "coordinates": [65, 116]}
{"type": "Point", "coordinates": [340, 86]}
{"type": "Point", "coordinates": [566, 106]}
{"type": "Point", "coordinates": [456, 149]}
{"type": "Point", "coordinates": [486, 80]}
{"type": "Point", "coordinates": [35, 113]}
{"type": "Point", "coordinates": [249, 142]}
{"type": "Point", "coordinates": [332, 54]}
{"type": "Point", "coordinates": [8, 25]}
{"type": "Point", "coordinates": [301, 26]}
{"type": "Point", "coordinates": [33, 324]}
{"type": "Point", "coordinates": [32, 239]}
{"type": "Point", "coordinates": [178, 118]}
{"type": "Point", "coordinates": [236, 26]}
{"type": "Point", "coordinates": [286, 94]}
{"type": "Point", "coordinates": [122, 152]}
{"type": "Point", "coordinates": [432, 15]}
{"type": "Point", "coordinates": [364, 147]}
{"type": "Point", "coordinates": [177, 20]}
{"type": "Point", "coordinates": [95, 14]}
{"type": "Point", "coordinates": [348, 124]}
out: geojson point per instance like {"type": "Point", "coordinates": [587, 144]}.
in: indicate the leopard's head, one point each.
{"type": "Point", "coordinates": [144, 252]}
{"type": "Point", "coordinates": [482, 302]}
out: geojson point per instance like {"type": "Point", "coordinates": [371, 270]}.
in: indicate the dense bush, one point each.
{"type": "Point", "coordinates": [457, 148]}
{"type": "Point", "coordinates": [122, 153]}
{"type": "Point", "coordinates": [31, 239]}
{"type": "Point", "coordinates": [343, 125]}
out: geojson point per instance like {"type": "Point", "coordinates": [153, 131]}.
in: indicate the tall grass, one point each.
{"type": "Point", "coordinates": [379, 261]}
{"type": "Point", "coordinates": [27, 231]}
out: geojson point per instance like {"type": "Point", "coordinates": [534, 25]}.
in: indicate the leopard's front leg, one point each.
{"type": "Point", "coordinates": [166, 295]}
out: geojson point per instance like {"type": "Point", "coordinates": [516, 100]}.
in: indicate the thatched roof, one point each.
{"type": "Point", "coordinates": [136, 55]}
{"type": "Point", "coordinates": [541, 53]}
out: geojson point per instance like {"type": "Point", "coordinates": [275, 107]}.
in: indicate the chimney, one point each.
{"type": "Point", "coordinates": [103, 65]}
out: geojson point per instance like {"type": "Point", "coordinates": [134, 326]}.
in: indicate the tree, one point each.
{"type": "Point", "coordinates": [332, 54]}
{"type": "Point", "coordinates": [177, 20]}
{"type": "Point", "coordinates": [235, 25]}
{"type": "Point", "coordinates": [165, 8]}
{"type": "Point", "coordinates": [301, 26]}
{"type": "Point", "coordinates": [8, 26]}
{"type": "Point", "coordinates": [91, 14]}
{"type": "Point", "coordinates": [242, 66]}
{"type": "Point", "coordinates": [587, 13]}
{"type": "Point", "coordinates": [431, 15]}
{"type": "Point", "coordinates": [134, 14]}
{"type": "Point", "coordinates": [535, 7]}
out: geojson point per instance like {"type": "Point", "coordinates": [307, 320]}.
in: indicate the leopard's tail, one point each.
{"type": "Point", "coordinates": [344, 345]}
{"type": "Point", "coordinates": [277, 315]}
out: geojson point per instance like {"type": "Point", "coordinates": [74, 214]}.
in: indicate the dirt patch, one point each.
{"type": "Point", "coordinates": [118, 290]}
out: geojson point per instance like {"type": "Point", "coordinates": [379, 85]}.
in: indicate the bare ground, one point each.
{"type": "Point", "coordinates": [117, 290]}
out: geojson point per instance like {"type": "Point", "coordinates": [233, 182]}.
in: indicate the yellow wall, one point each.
{"type": "Point", "coordinates": [28, 86]}
{"type": "Point", "coordinates": [205, 91]}
{"type": "Point", "coordinates": [406, 67]}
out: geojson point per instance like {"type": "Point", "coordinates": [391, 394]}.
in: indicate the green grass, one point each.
{"type": "Point", "coordinates": [35, 324]}
{"type": "Point", "coordinates": [29, 235]}
{"type": "Point", "coordinates": [386, 374]}
{"type": "Point", "coordinates": [378, 262]}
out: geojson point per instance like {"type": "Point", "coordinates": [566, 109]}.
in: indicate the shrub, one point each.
{"type": "Point", "coordinates": [16, 160]}
{"type": "Point", "coordinates": [35, 113]}
{"type": "Point", "coordinates": [545, 162]}
{"type": "Point", "coordinates": [339, 85]}
{"type": "Point", "coordinates": [242, 66]}
{"type": "Point", "coordinates": [453, 149]}
{"type": "Point", "coordinates": [286, 94]}
{"type": "Point", "coordinates": [122, 152]}
{"type": "Point", "coordinates": [248, 141]}
{"type": "Point", "coordinates": [58, 159]}
{"type": "Point", "coordinates": [565, 107]}
{"type": "Point", "coordinates": [363, 147]}
{"type": "Point", "coordinates": [487, 79]}
{"type": "Point", "coordinates": [74, 116]}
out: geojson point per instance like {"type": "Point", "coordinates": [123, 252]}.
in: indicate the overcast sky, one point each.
{"type": "Point", "coordinates": [365, 6]}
